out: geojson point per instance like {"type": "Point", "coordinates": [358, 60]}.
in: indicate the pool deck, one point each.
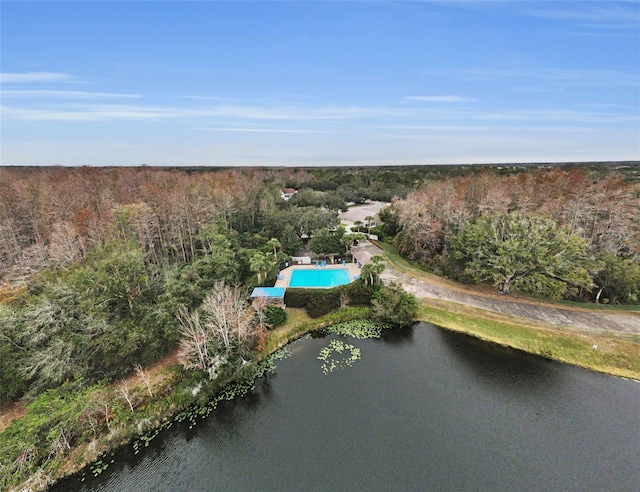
{"type": "Point", "coordinates": [352, 268]}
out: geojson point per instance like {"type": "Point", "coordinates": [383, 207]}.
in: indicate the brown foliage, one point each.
{"type": "Point", "coordinates": [54, 216]}
{"type": "Point", "coordinates": [605, 211]}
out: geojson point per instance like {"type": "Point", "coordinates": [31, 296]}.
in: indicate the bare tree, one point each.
{"type": "Point", "coordinates": [194, 341]}
{"type": "Point", "coordinates": [123, 389]}
{"type": "Point", "coordinates": [61, 444]}
{"type": "Point", "coordinates": [228, 319]}
{"type": "Point", "coordinates": [105, 408]}
{"type": "Point", "coordinates": [65, 244]}
{"type": "Point", "coordinates": [144, 376]}
{"type": "Point", "coordinates": [30, 261]}
{"type": "Point", "coordinates": [225, 332]}
{"type": "Point", "coordinates": [260, 305]}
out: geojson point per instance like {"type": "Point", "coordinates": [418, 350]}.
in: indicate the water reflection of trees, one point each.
{"type": "Point", "coordinates": [508, 368]}
{"type": "Point", "coordinates": [398, 336]}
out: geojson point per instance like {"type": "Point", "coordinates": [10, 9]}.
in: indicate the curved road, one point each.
{"type": "Point", "coordinates": [572, 318]}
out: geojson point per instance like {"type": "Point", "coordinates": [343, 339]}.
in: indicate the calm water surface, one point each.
{"type": "Point", "coordinates": [423, 409]}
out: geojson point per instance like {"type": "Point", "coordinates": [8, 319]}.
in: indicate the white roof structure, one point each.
{"type": "Point", "coordinates": [362, 257]}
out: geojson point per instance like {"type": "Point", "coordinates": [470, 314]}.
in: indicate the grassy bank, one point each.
{"type": "Point", "coordinates": [616, 354]}
{"type": "Point", "coordinates": [299, 323]}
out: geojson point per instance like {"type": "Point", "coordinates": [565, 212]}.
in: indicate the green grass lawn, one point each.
{"type": "Point", "coordinates": [616, 354]}
{"type": "Point", "coordinates": [299, 323]}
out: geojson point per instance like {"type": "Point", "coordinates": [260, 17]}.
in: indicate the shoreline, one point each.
{"type": "Point", "coordinates": [615, 354]}
{"type": "Point", "coordinates": [470, 321]}
{"type": "Point", "coordinates": [84, 455]}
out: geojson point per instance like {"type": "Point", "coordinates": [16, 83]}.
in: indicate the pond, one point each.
{"type": "Point", "coordinates": [418, 409]}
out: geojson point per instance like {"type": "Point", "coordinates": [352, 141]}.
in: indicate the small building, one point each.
{"type": "Point", "coordinates": [301, 260]}
{"type": "Point", "coordinates": [272, 295]}
{"type": "Point", "coordinates": [361, 258]}
{"type": "Point", "coordinates": [287, 193]}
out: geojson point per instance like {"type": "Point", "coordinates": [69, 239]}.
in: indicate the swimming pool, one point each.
{"type": "Point", "coordinates": [319, 278]}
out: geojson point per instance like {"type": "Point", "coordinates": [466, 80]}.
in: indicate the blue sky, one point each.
{"type": "Point", "coordinates": [318, 83]}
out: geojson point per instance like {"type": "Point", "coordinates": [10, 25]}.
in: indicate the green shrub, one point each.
{"type": "Point", "coordinates": [393, 305]}
{"type": "Point", "coordinates": [323, 301]}
{"type": "Point", "coordinates": [358, 293]}
{"type": "Point", "coordinates": [276, 316]}
{"type": "Point", "coordinates": [319, 302]}
{"type": "Point", "coordinates": [297, 298]}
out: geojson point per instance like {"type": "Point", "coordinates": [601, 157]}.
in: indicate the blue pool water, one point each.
{"type": "Point", "coordinates": [319, 278]}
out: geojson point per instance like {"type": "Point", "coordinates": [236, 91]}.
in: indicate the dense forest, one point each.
{"type": "Point", "coordinates": [104, 271]}
{"type": "Point", "coordinates": [549, 232]}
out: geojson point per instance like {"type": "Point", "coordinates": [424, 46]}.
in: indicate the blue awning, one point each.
{"type": "Point", "coordinates": [270, 292]}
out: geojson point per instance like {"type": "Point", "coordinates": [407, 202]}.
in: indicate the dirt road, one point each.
{"type": "Point", "coordinates": [571, 318]}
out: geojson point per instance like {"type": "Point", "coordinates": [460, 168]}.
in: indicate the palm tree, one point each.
{"type": "Point", "coordinates": [358, 224]}
{"type": "Point", "coordinates": [275, 244]}
{"type": "Point", "coordinates": [257, 263]}
{"type": "Point", "coordinates": [369, 219]}
{"type": "Point", "coordinates": [348, 239]}
{"type": "Point", "coordinates": [373, 269]}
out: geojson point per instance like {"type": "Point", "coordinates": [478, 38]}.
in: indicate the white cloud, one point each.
{"type": "Point", "coordinates": [564, 76]}
{"type": "Point", "coordinates": [299, 113]}
{"type": "Point", "coordinates": [89, 113]}
{"type": "Point", "coordinates": [559, 115]}
{"type": "Point", "coordinates": [612, 15]}
{"type": "Point", "coordinates": [100, 112]}
{"type": "Point", "coordinates": [64, 94]}
{"type": "Point", "coordinates": [439, 99]}
{"type": "Point", "coordinates": [34, 77]}
{"type": "Point", "coordinates": [412, 131]}
{"type": "Point", "coordinates": [259, 130]}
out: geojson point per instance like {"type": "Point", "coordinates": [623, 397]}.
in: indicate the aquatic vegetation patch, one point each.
{"type": "Point", "coordinates": [240, 387]}
{"type": "Point", "coordinates": [338, 355]}
{"type": "Point", "coordinates": [359, 328]}
{"type": "Point", "coordinates": [281, 354]}
{"type": "Point", "coordinates": [99, 466]}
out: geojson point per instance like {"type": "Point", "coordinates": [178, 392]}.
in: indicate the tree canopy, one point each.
{"type": "Point", "coordinates": [391, 304]}
{"type": "Point", "coordinates": [326, 242]}
{"type": "Point", "coordinates": [529, 253]}
{"type": "Point", "coordinates": [595, 203]}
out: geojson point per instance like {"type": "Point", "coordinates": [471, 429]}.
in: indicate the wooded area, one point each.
{"type": "Point", "coordinates": [96, 263]}
{"type": "Point", "coordinates": [549, 232]}
{"type": "Point", "coordinates": [105, 270]}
